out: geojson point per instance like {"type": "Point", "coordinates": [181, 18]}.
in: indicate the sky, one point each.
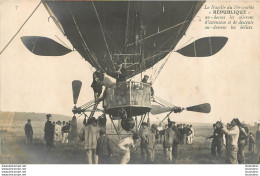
{"type": "Point", "coordinates": [229, 80]}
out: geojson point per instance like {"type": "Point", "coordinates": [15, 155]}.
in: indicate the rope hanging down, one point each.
{"type": "Point", "coordinates": [20, 28]}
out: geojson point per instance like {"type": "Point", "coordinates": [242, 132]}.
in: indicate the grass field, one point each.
{"type": "Point", "coordinates": [15, 151]}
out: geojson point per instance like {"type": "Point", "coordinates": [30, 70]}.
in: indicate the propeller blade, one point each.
{"type": "Point", "coordinates": [76, 86]}
{"type": "Point", "coordinates": [204, 108]}
{"type": "Point", "coordinates": [156, 109]}
{"type": "Point", "coordinates": [204, 47]}
{"type": "Point", "coordinates": [44, 46]}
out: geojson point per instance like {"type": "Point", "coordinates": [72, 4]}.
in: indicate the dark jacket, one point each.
{"type": "Point", "coordinates": [169, 138]}
{"type": "Point", "coordinates": [49, 131]}
{"type": "Point", "coordinates": [178, 134]}
{"type": "Point", "coordinates": [217, 135]}
{"type": "Point", "coordinates": [28, 129]}
{"type": "Point", "coordinates": [242, 134]}
{"type": "Point", "coordinates": [103, 146]}
{"type": "Point", "coordinates": [122, 77]}
{"type": "Point", "coordinates": [65, 129]}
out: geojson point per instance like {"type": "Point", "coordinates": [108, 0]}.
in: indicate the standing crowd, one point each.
{"type": "Point", "coordinates": [234, 136]}
{"type": "Point", "coordinates": [99, 147]}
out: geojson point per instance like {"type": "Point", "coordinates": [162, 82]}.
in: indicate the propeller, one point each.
{"type": "Point", "coordinates": [76, 86]}
{"type": "Point", "coordinates": [203, 108]}
{"type": "Point", "coordinates": [44, 46]}
{"type": "Point", "coordinates": [204, 47]}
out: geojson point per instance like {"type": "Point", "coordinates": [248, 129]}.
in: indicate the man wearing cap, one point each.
{"type": "Point", "coordinates": [217, 141]}
{"type": "Point", "coordinates": [153, 131]}
{"type": "Point", "coordinates": [175, 142]}
{"type": "Point", "coordinates": [145, 80]}
{"type": "Point", "coordinates": [96, 84]}
{"type": "Point", "coordinates": [147, 143]}
{"type": "Point", "coordinates": [65, 131]}
{"type": "Point", "coordinates": [169, 138]}
{"type": "Point", "coordinates": [49, 132]}
{"type": "Point", "coordinates": [104, 148]}
{"type": "Point", "coordinates": [121, 72]}
{"type": "Point", "coordinates": [28, 131]}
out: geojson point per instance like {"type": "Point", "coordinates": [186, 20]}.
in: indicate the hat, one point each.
{"type": "Point", "coordinates": [102, 131]}
{"type": "Point", "coordinates": [29, 120]}
{"type": "Point", "coordinates": [144, 124]}
{"type": "Point", "coordinates": [154, 126]}
{"type": "Point", "coordinates": [48, 115]}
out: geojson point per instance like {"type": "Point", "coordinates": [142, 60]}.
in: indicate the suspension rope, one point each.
{"type": "Point", "coordinates": [188, 16]}
{"type": "Point", "coordinates": [160, 69]}
{"type": "Point", "coordinates": [103, 33]}
{"type": "Point", "coordinates": [20, 28]}
{"type": "Point", "coordinates": [127, 23]}
{"type": "Point", "coordinates": [82, 38]}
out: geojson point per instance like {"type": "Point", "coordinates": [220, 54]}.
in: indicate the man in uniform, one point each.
{"type": "Point", "coordinates": [175, 142]}
{"type": "Point", "coordinates": [145, 80]}
{"type": "Point", "coordinates": [147, 144]}
{"type": "Point", "coordinates": [217, 141]}
{"type": "Point", "coordinates": [28, 131]}
{"type": "Point", "coordinates": [169, 138]}
{"type": "Point", "coordinates": [120, 72]}
{"type": "Point", "coordinates": [49, 133]}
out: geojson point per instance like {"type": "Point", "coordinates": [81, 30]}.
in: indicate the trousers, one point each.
{"type": "Point", "coordinates": [232, 151]}
{"type": "Point", "coordinates": [91, 156]}
{"type": "Point", "coordinates": [147, 155]}
{"type": "Point", "coordinates": [241, 154]}
{"type": "Point", "coordinates": [168, 153]}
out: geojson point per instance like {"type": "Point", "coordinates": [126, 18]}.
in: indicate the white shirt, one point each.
{"type": "Point", "coordinates": [126, 143]}
{"type": "Point", "coordinates": [233, 133]}
{"type": "Point", "coordinates": [192, 130]}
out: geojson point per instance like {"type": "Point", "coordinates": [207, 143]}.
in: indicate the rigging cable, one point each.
{"type": "Point", "coordinates": [127, 23]}
{"type": "Point", "coordinates": [20, 28]}
{"type": "Point", "coordinates": [192, 7]}
{"type": "Point", "coordinates": [85, 44]}
{"type": "Point", "coordinates": [103, 33]}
